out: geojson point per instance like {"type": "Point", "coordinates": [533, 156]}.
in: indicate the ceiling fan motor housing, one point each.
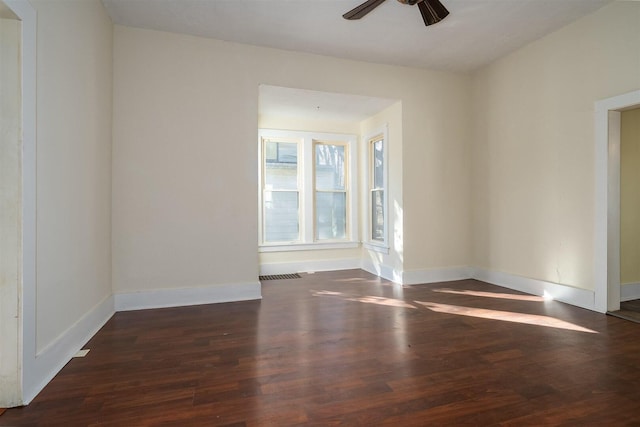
{"type": "Point", "coordinates": [432, 11]}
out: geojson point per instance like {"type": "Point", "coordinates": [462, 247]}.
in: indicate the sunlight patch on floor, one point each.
{"type": "Point", "coordinates": [367, 299]}
{"type": "Point", "coordinates": [516, 297]}
{"type": "Point", "coordinates": [483, 313]}
{"type": "Point", "coordinates": [378, 281]}
{"type": "Point", "coordinates": [506, 316]}
{"type": "Point", "coordinates": [382, 301]}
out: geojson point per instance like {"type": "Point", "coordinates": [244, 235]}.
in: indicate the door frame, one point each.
{"type": "Point", "coordinates": [26, 337]}
{"type": "Point", "coordinates": [607, 198]}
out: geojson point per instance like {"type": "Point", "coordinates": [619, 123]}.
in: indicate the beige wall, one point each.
{"type": "Point", "coordinates": [185, 154]}
{"type": "Point", "coordinates": [310, 257]}
{"type": "Point", "coordinates": [74, 88]}
{"type": "Point", "coordinates": [533, 145]}
{"type": "Point", "coordinates": [436, 172]}
{"type": "Point", "coordinates": [630, 196]}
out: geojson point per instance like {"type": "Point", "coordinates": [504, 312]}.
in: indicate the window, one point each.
{"type": "Point", "coordinates": [330, 191]}
{"type": "Point", "coordinates": [377, 189]}
{"type": "Point", "coordinates": [281, 194]}
{"type": "Point", "coordinates": [307, 199]}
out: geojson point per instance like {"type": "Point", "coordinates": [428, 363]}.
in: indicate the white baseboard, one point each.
{"type": "Point", "coordinates": [583, 298]}
{"type": "Point", "coordinates": [50, 360]}
{"type": "Point", "coordinates": [416, 277]}
{"type": "Point", "coordinates": [575, 296]}
{"type": "Point", "coordinates": [55, 356]}
{"type": "Point", "coordinates": [629, 291]}
{"type": "Point", "coordinates": [304, 266]}
{"type": "Point", "coordinates": [161, 298]}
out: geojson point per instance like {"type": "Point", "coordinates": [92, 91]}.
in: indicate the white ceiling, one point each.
{"type": "Point", "coordinates": [475, 33]}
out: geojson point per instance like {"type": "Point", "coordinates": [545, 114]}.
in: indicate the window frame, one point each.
{"type": "Point", "coordinates": [369, 242]}
{"type": "Point", "coordinates": [262, 190]}
{"type": "Point", "coordinates": [306, 189]}
{"type": "Point", "coordinates": [347, 190]}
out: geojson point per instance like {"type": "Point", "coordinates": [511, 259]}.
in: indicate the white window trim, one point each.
{"type": "Point", "coordinates": [368, 242]}
{"type": "Point", "coordinates": [285, 247]}
{"type": "Point", "coordinates": [307, 190]}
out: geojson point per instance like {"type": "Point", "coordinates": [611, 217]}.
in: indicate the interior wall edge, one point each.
{"type": "Point", "coordinates": [382, 270]}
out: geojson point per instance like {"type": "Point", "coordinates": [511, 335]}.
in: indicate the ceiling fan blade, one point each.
{"type": "Point", "coordinates": [432, 11]}
{"type": "Point", "coordinates": [363, 9]}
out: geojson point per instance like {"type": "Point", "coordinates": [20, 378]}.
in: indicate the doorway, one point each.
{"type": "Point", "coordinates": [629, 215]}
{"type": "Point", "coordinates": [607, 214]}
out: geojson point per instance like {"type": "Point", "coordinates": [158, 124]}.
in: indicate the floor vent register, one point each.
{"type": "Point", "coordinates": [279, 277]}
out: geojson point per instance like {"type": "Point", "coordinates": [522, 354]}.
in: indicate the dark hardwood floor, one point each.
{"type": "Point", "coordinates": [347, 348]}
{"type": "Point", "coordinates": [629, 310]}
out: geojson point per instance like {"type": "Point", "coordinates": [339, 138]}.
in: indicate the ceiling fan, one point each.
{"type": "Point", "coordinates": [432, 10]}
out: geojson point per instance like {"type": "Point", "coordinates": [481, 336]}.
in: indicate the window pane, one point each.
{"type": "Point", "coordinates": [331, 215]}
{"type": "Point", "coordinates": [281, 165]}
{"type": "Point", "coordinates": [378, 180]}
{"type": "Point", "coordinates": [281, 216]}
{"type": "Point", "coordinates": [377, 215]}
{"type": "Point", "coordinates": [281, 152]}
{"type": "Point", "coordinates": [330, 167]}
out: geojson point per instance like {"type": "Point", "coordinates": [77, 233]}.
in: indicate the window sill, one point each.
{"type": "Point", "coordinates": [307, 246]}
{"type": "Point", "coordinates": [376, 247]}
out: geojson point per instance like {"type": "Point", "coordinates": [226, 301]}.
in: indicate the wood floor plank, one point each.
{"type": "Point", "coordinates": [349, 348]}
